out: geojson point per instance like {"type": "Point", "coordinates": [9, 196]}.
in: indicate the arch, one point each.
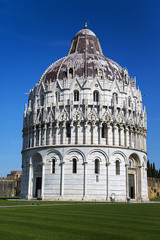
{"type": "Point", "coordinates": [121, 153]}
{"type": "Point", "coordinates": [36, 175]}
{"type": "Point", "coordinates": [100, 151]}
{"type": "Point", "coordinates": [135, 157]}
{"type": "Point", "coordinates": [36, 155]}
{"type": "Point", "coordinates": [75, 150]}
{"type": "Point", "coordinates": [50, 152]}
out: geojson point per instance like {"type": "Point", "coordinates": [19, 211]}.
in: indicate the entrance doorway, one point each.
{"type": "Point", "coordinates": [38, 186]}
{"type": "Point", "coordinates": [131, 185]}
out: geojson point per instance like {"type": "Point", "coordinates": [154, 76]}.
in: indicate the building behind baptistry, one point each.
{"type": "Point", "coordinates": [84, 130]}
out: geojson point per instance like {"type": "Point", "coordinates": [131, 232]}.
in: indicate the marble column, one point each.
{"type": "Point", "coordinates": [40, 135]}
{"type": "Point", "coordinates": [93, 133]}
{"type": "Point", "coordinates": [109, 135]}
{"type": "Point", "coordinates": [121, 137]}
{"type": "Point", "coordinates": [127, 190]}
{"type": "Point", "coordinates": [71, 138]}
{"type": "Point", "coordinates": [135, 139]}
{"type": "Point", "coordinates": [139, 183]}
{"type": "Point", "coordinates": [78, 133]}
{"type": "Point", "coordinates": [85, 133]}
{"type": "Point", "coordinates": [34, 141]}
{"type": "Point", "coordinates": [85, 180]}
{"type": "Point", "coordinates": [127, 136]}
{"type": "Point", "coordinates": [100, 133]}
{"type": "Point", "coordinates": [56, 134]}
{"type": "Point", "coordinates": [45, 130]}
{"type": "Point", "coordinates": [43, 178]}
{"type": "Point", "coordinates": [63, 133]}
{"type": "Point", "coordinates": [30, 181]}
{"type": "Point", "coordinates": [50, 134]}
{"type": "Point", "coordinates": [62, 179]}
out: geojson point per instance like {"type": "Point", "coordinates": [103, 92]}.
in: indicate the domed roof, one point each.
{"type": "Point", "coordinates": [86, 59]}
{"type": "Point", "coordinates": [85, 31]}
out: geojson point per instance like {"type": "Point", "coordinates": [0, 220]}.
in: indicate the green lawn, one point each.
{"type": "Point", "coordinates": [74, 222]}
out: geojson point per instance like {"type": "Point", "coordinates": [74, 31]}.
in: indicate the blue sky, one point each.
{"type": "Point", "coordinates": [34, 34]}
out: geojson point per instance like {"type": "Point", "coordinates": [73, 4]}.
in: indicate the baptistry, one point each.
{"type": "Point", "coordinates": [84, 130]}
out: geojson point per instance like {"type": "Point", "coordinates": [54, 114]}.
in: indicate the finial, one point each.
{"type": "Point", "coordinates": [85, 26]}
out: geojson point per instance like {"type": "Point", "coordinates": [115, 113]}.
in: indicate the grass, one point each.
{"type": "Point", "coordinates": [81, 222]}
{"type": "Point", "coordinates": [155, 199]}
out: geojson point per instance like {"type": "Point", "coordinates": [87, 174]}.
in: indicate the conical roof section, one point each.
{"type": "Point", "coordinates": [85, 41]}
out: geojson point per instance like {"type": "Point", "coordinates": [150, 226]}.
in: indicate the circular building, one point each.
{"type": "Point", "coordinates": [84, 130]}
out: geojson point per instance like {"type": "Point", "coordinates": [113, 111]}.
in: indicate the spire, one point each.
{"type": "Point", "coordinates": [85, 25]}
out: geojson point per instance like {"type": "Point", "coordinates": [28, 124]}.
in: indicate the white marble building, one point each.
{"type": "Point", "coordinates": [84, 131]}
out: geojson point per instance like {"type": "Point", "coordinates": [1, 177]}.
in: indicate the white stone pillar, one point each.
{"type": "Point", "coordinates": [71, 138]}
{"type": "Point", "coordinates": [78, 133]}
{"type": "Point", "coordinates": [50, 134]}
{"type": "Point", "coordinates": [63, 133]}
{"type": "Point", "coordinates": [85, 180]}
{"type": "Point", "coordinates": [43, 180]}
{"type": "Point", "coordinates": [30, 179]}
{"type": "Point", "coordinates": [107, 183]}
{"type": "Point", "coordinates": [28, 139]}
{"type": "Point", "coordinates": [40, 137]}
{"type": "Point", "coordinates": [110, 135]}
{"type": "Point", "coordinates": [45, 129]}
{"type": "Point", "coordinates": [139, 183]}
{"type": "Point", "coordinates": [56, 134]}
{"type": "Point", "coordinates": [31, 133]}
{"type": "Point", "coordinates": [100, 133]}
{"type": "Point", "coordinates": [85, 132]}
{"type": "Point", "coordinates": [127, 136]}
{"type": "Point", "coordinates": [145, 146]}
{"type": "Point", "coordinates": [34, 142]}
{"type": "Point", "coordinates": [131, 132]}
{"type": "Point", "coordinates": [121, 136]}
{"type": "Point", "coordinates": [93, 133]}
{"type": "Point", "coordinates": [127, 191]}
{"type": "Point", "coordinates": [135, 139]}
{"type": "Point", "coordinates": [116, 136]}
{"type": "Point", "coordinates": [62, 179]}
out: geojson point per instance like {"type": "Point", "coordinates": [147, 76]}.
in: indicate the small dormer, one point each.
{"type": "Point", "coordinates": [70, 73]}
{"type": "Point", "coordinates": [100, 74]}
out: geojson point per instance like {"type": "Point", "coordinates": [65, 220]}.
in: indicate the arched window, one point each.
{"type": "Point", "coordinates": [129, 101]}
{"type": "Point", "coordinates": [57, 97]}
{"type": "Point", "coordinates": [115, 98]}
{"type": "Point", "coordinates": [42, 100]}
{"type": "Point", "coordinates": [97, 166]}
{"type": "Point", "coordinates": [104, 130]}
{"type": "Point", "coordinates": [76, 95]}
{"type": "Point", "coordinates": [53, 165]}
{"type": "Point", "coordinates": [117, 167]}
{"type": "Point", "coordinates": [100, 74]}
{"type": "Point", "coordinates": [68, 130]}
{"type": "Point", "coordinates": [74, 165]}
{"type": "Point", "coordinates": [70, 76]}
{"type": "Point", "coordinates": [96, 96]}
